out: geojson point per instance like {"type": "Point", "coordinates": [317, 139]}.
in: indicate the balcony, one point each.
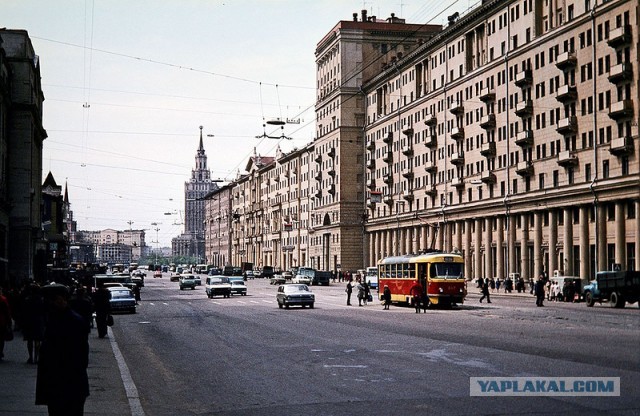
{"type": "Point", "coordinates": [566, 93]}
{"type": "Point", "coordinates": [487, 95]}
{"type": "Point", "coordinates": [370, 203]}
{"type": "Point", "coordinates": [488, 122]}
{"type": "Point", "coordinates": [388, 138]}
{"type": "Point", "coordinates": [332, 152]}
{"type": "Point", "coordinates": [621, 72]}
{"type": "Point", "coordinates": [408, 132]}
{"type": "Point", "coordinates": [488, 149]}
{"type": "Point", "coordinates": [619, 36]}
{"type": "Point", "coordinates": [621, 109]}
{"type": "Point", "coordinates": [408, 174]}
{"type": "Point", "coordinates": [430, 166]}
{"type": "Point", "coordinates": [431, 190]}
{"type": "Point", "coordinates": [371, 184]}
{"type": "Point", "coordinates": [457, 158]}
{"type": "Point", "coordinates": [457, 182]}
{"type": "Point", "coordinates": [318, 194]}
{"type": "Point", "coordinates": [387, 199]}
{"type": "Point", "coordinates": [407, 151]}
{"type": "Point", "coordinates": [457, 133]}
{"type": "Point", "coordinates": [318, 176]}
{"type": "Point", "coordinates": [524, 138]}
{"type": "Point", "coordinates": [524, 78]}
{"type": "Point", "coordinates": [430, 120]}
{"type": "Point", "coordinates": [388, 179]}
{"type": "Point", "coordinates": [276, 178]}
{"type": "Point", "coordinates": [524, 108]}
{"type": "Point", "coordinates": [567, 125]}
{"type": "Point", "coordinates": [524, 168]}
{"type": "Point", "coordinates": [408, 196]}
{"type": "Point", "coordinates": [388, 157]}
{"type": "Point", "coordinates": [488, 177]}
{"type": "Point", "coordinates": [456, 107]}
{"type": "Point", "coordinates": [318, 158]}
{"type": "Point", "coordinates": [371, 164]}
{"type": "Point", "coordinates": [621, 146]}
{"type": "Point", "coordinates": [566, 60]}
{"type": "Point", "coordinates": [567, 159]}
{"type": "Point", "coordinates": [332, 189]}
{"type": "Point", "coordinates": [430, 139]}
{"type": "Point", "coordinates": [371, 144]}
{"type": "Point", "coordinates": [331, 172]}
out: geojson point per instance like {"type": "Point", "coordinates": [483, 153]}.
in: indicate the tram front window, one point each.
{"type": "Point", "coordinates": [446, 271]}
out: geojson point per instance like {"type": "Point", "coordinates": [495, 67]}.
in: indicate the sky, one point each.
{"type": "Point", "coordinates": [128, 83]}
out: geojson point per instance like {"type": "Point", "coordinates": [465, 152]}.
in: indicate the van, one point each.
{"type": "Point", "coordinates": [267, 272]}
{"type": "Point", "coordinates": [372, 277]}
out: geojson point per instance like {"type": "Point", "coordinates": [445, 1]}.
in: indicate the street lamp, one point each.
{"type": "Point", "coordinates": [155, 264]}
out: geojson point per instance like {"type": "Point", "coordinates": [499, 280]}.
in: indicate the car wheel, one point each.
{"type": "Point", "coordinates": [286, 305]}
{"type": "Point", "coordinates": [303, 305]}
{"type": "Point", "coordinates": [311, 305]}
{"type": "Point", "coordinates": [588, 299]}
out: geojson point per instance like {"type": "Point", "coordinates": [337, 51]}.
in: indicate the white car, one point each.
{"type": "Point", "coordinates": [301, 278]}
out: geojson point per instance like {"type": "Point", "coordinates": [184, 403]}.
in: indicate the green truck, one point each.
{"type": "Point", "coordinates": [616, 287]}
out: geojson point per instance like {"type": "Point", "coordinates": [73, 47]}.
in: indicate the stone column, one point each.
{"type": "Point", "coordinates": [553, 241]}
{"type": "Point", "coordinates": [416, 239]}
{"type": "Point", "coordinates": [440, 236]}
{"type": "Point", "coordinates": [478, 272]}
{"type": "Point", "coordinates": [567, 240]}
{"type": "Point", "coordinates": [602, 239]}
{"type": "Point", "coordinates": [468, 269]}
{"type": "Point", "coordinates": [537, 245]}
{"type": "Point", "coordinates": [425, 237]}
{"type": "Point", "coordinates": [621, 246]}
{"type": "Point", "coordinates": [499, 249]}
{"type": "Point", "coordinates": [488, 258]}
{"type": "Point", "coordinates": [511, 245]}
{"type": "Point", "coordinates": [584, 240]}
{"type": "Point", "coordinates": [449, 237]}
{"type": "Point", "coordinates": [459, 228]}
{"type": "Point", "coordinates": [524, 251]}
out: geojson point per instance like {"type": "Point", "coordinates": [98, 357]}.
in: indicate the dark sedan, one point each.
{"type": "Point", "coordinates": [122, 300]}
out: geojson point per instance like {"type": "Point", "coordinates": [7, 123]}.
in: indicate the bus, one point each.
{"type": "Point", "coordinates": [372, 277]}
{"type": "Point", "coordinates": [441, 275]}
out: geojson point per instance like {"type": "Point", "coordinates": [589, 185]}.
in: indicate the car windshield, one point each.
{"type": "Point", "coordinates": [120, 294]}
{"type": "Point", "coordinates": [296, 288]}
{"type": "Point", "coordinates": [237, 283]}
{"type": "Point", "coordinates": [446, 271]}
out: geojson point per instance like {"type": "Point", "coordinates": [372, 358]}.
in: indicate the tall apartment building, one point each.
{"type": "Point", "coordinates": [113, 246]}
{"type": "Point", "coordinates": [511, 136]}
{"type": "Point", "coordinates": [191, 242]}
{"type": "Point", "coordinates": [513, 139]}
{"type": "Point", "coordinates": [22, 247]}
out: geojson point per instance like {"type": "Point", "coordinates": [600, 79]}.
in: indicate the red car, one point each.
{"type": "Point", "coordinates": [157, 273]}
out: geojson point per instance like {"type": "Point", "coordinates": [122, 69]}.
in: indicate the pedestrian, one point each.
{"type": "Point", "coordinates": [6, 327]}
{"type": "Point", "coordinates": [367, 291]}
{"type": "Point", "coordinates": [386, 297]}
{"type": "Point", "coordinates": [360, 293]}
{"type": "Point", "coordinates": [62, 383]}
{"type": "Point", "coordinates": [33, 321]}
{"type": "Point", "coordinates": [349, 289]}
{"type": "Point", "coordinates": [416, 296]}
{"type": "Point", "coordinates": [83, 306]}
{"type": "Point", "coordinates": [539, 291]}
{"type": "Point", "coordinates": [136, 292]}
{"type": "Point", "coordinates": [492, 283]}
{"type": "Point", "coordinates": [485, 291]}
{"type": "Point", "coordinates": [102, 306]}
{"type": "Point", "coordinates": [498, 283]}
{"type": "Point", "coordinates": [425, 302]}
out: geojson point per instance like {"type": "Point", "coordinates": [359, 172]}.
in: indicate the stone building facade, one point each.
{"type": "Point", "coordinates": [510, 135]}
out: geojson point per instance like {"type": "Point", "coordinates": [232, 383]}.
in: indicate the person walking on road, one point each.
{"type": "Point", "coordinates": [33, 321]}
{"type": "Point", "coordinates": [539, 291]}
{"type": "Point", "coordinates": [386, 297]}
{"type": "Point", "coordinates": [360, 288]}
{"type": "Point", "coordinates": [62, 383]}
{"type": "Point", "coordinates": [485, 291]}
{"type": "Point", "coordinates": [416, 296]}
{"type": "Point", "coordinates": [349, 290]}
{"type": "Point", "coordinates": [102, 307]}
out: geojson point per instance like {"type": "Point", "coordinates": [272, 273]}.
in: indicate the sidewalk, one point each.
{"type": "Point", "coordinates": [18, 380]}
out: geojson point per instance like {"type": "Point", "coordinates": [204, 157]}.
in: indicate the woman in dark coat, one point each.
{"type": "Point", "coordinates": [63, 383]}
{"type": "Point", "coordinates": [33, 321]}
{"type": "Point", "coordinates": [386, 297]}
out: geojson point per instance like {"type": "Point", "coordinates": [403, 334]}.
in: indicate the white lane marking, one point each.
{"type": "Point", "coordinates": [254, 301]}
{"type": "Point", "coordinates": [127, 381]}
{"type": "Point", "coordinates": [152, 304]}
{"type": "Point", "coordinates": [345, 366]}
{"type": "Point", "coordinates": [217, 303]}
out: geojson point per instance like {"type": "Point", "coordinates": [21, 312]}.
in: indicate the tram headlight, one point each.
{"type": "Point", "coordinates": [441, 290]}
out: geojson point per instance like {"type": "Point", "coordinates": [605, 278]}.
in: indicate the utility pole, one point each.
{"type": "Point", "coordinates": [155, 224]}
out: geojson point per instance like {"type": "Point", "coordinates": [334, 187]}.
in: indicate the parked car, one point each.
{"type": "Point", "coordinates": [294, 294]}
{"type": "Point", "coordinates": [248, 274]}
{"type": "Point", "coordinates": [157, 273]}
{"type": "Point", "coordinates": [301, 278]}
{"type": "Point", "coordinates": [218, 286]}
{"type": "Point", "coordinates": [175, 277]}
{"type": "Point", "coordinates": [187, 281]}
{"type": "Point", "coordinates": [198, 280]}
{"type": "Point", "coordinates": [277, 279]}
{"type": "Point", "coordinates": [238, 287]}
{"type": "Point", "coordinates": [121, 299]}
{"type": "Point", "coordinates": [287, 275]}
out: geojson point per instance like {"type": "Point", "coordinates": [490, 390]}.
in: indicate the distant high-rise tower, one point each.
{"type": "Point", "coordinates": [191, 242]}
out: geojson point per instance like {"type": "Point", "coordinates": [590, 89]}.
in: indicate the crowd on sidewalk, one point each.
{"type": "Point", "coordinates": [54, 321]}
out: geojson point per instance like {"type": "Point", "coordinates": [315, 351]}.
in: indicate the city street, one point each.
{"type": "Point", "coordinates": [189, 355]}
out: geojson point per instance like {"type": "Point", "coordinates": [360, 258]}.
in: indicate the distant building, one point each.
{"type": "Point", "coordinates": [191, 242]}
{"type": "Point", "coordinates": [21, 139]}
{"type": "Point", "coordinates": [53, 225]}
{"type": "Point", "coordinates": [113, 246]}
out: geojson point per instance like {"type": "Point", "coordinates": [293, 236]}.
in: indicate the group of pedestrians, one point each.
{"type": "Point", "coordinates": [55, 322]}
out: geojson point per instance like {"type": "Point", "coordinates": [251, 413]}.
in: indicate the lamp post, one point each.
{"type": "Point", "coordinates": [155, 224]}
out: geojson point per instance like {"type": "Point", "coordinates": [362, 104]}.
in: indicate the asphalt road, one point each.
{"type": "Point", "coordinates": [190, 355]}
